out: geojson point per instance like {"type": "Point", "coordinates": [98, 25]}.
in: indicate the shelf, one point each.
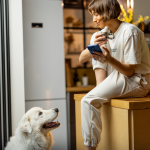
{"type": "Point", "coordinates": [81, 28]}
{"type": "Point", "coordinates": [80, 88]}
{"type": "Point", "coordinates": [69, 28]}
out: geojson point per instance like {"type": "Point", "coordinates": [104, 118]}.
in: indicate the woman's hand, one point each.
{"type": "Point", "coordinates": [85, 54]}
{"type": "Point", "coordinates": [102, 57]}
{"type": "Point", "coordinates": [126, 69]}
{"type": "Point", "coordinates": [100, 39]}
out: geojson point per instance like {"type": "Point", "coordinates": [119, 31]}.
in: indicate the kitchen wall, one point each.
{"type": "Point", "coordinates": [141, 7]}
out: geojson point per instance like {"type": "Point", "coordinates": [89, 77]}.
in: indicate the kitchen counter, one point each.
{"type": "Point", "coordinates": [70, 91]}
{"type": "Point", "coordinates": [80, 88]}
{"type": "Point", "coordinates": [125, 124]}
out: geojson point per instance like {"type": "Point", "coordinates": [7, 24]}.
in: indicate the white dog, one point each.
{"type": "Point", "coordinates": [33, 132]}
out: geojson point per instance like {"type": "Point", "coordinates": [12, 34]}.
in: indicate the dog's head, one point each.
{"type": "Point", "coordinates": [38, 119]}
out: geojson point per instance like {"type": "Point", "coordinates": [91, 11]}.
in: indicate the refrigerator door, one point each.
{"type": "Point", "coordinates": [43, 49]}
{"type": "Point", "coordinates": [59, 134]}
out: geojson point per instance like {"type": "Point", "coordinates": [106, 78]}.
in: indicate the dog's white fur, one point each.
{"type": "Point", "coordinates": [30, 134]}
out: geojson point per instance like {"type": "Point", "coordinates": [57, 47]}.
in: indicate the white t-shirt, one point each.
{"type": "Point", "coordinates": [129, 46]}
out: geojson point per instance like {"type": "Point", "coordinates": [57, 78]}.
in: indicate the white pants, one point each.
{"type": "Point", "coordinates": [115, 85]}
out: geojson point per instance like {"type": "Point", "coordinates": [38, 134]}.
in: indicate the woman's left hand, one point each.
{"type": "Point", "coordinates": [102, 57]}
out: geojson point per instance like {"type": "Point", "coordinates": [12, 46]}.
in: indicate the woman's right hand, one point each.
{"type": "Point", "coordinates": [85, 54]}
{"type": "Point", "coordinates": [100, 39]}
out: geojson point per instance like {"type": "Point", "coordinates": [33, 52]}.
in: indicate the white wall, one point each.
{"type": "Point", "coordinates": [16, 62]}
{"type": "Point", "coordinates": [141, 7]}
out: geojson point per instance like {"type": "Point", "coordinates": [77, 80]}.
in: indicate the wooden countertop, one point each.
{"type": "Point", "coordinates": [80, 88]}
{"type": "Point", "coordinates": [126, 103]}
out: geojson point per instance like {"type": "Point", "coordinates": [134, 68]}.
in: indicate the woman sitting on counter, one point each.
{"type": "Point", "coordinates": [122, 70]}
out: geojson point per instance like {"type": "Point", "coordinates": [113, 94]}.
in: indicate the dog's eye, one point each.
{"type": "Point", "coordinates": [40, 113]}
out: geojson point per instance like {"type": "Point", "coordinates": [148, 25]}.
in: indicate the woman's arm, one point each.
{"type": "Point", "coordinates": [126, 69]}
{"type": "Point", "coordinates": [123, 68]}
{"type": "Point", "coordinates": [100, 75]}
{"type": "Point", "coordinates": [84, 56]}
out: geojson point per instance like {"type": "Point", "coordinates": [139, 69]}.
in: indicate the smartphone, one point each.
{"type": "Point", "coordinates": [94, 47]}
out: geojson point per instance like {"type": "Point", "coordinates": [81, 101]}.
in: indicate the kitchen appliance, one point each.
{"type": "Point", "coordinates": [44, 62]}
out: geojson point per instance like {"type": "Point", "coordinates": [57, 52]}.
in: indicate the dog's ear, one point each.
{"type": "Point", "coordinates": [25, 125]}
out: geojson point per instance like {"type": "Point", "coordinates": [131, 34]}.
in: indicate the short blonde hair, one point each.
{"type": "Point", "coordinates": [107, 9]}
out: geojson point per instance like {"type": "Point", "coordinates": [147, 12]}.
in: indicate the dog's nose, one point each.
{"type": "Point", "coordinates": [56, 109]}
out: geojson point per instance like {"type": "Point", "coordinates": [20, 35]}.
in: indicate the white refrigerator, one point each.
{"type": "Point", "coordinates": [44, 62]}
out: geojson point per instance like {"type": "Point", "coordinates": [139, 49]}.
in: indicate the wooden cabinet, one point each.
{"type": "Point", "coordinates": [125, 124]}
{"type": "Point", "coordinates": [71, 121]}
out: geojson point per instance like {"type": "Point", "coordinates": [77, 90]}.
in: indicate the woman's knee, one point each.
{"type": "Point", "coordinates": [96, 103]}
{"type": "Point", "coordinates": [83, 100]}
{"type": "Point", "coordinates": [91, 101]}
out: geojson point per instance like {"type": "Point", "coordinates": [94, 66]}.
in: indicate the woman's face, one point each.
{"type": "Point", "coordinates": [98, 20]}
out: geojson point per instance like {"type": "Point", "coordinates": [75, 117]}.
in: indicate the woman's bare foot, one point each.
{"type": "Point", "coordinates": [90, 148]}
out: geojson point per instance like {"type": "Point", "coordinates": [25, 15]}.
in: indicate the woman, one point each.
{"type": "Point", "coordinates": [122, 70]}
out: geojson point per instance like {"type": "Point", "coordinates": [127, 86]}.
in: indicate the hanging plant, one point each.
{"type": "Point", "coordinates": [124, 16]}
{"type": "Point", "coordinates": [128, 16]}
